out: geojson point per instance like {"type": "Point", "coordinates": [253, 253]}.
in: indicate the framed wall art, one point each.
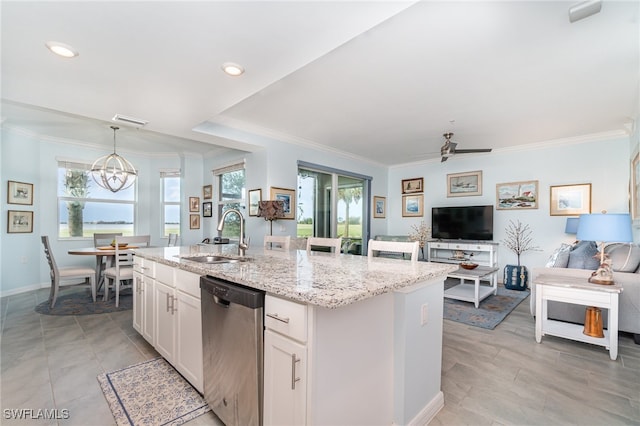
{"type": "Point", "coordinates": [413, 205]}
{"type": "Point", "coordinates": [288, 197]}
{"type": "Point", "coordinates": [255, 196]}
{"type": "Point", "coordinates": [207, 209]}
{"type": "Point", "coordinates": [207, 192]}
{"type": "Point", "coordinates": [464, 184]}
{"type": "Point", "coordinates": [379, 207]}
{"type": "Point", "coordinates": [194, 221]}
{"type": "Point", "coordinates": [410, 186]}
{"type": "Point", "coordinates": [19, 222]}
{"type": "Point", "coordinates": [194, 204]}
{"type": "Point", "coordinates": [19, 193]}
{"type": "Point", "coordinates": [570, 200]}
{"type": "Point", "coordinates": [517, 195]}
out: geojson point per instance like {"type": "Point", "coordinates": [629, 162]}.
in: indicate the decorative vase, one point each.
{"type": "Point", "coordinates": [516, 277]}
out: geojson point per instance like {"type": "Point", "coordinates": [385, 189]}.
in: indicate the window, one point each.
{"type": "Point", "coordinates": [170, 184]}
{"type": "Point", "coordinates": [333, 203]}
{"type": "Point", "coordinates": [84, 207]}
{"type": "Point", "coordinates": [230, 187]}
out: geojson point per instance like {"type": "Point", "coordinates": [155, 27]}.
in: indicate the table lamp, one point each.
{"type": "Point", "coordinates": [606, 228]}
{"type": "Point", "coordinates": [572, 225]}
{"type": "Point", "coordinates": [271, 210]}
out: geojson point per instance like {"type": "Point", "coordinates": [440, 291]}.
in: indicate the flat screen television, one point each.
{"type": "Point", "coordinates": [462, 223]}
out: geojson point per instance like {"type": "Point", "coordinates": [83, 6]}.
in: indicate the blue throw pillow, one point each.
{"type": "Point", "coordinates": [583, 256]}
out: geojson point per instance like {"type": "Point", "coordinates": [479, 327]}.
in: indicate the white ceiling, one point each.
{"type": "Point", "coordinates": [378, 80]}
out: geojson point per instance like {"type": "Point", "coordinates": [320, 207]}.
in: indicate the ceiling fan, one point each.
{"type": "Point", "coordinates": [449, 148]}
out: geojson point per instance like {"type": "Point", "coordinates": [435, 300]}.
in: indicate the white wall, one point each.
{"type": "Point", "coordinates": [603, 163]}
{"type": "Point", "coordinates": [32, 159]}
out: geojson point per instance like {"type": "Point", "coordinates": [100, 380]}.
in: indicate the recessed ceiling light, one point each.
{"type": "Point", "coordinates": [61, 49]}
{"type": "Point", "coordinates": [232, 69]}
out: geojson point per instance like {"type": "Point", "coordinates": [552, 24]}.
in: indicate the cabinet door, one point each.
{"type": "Point", "coordinates": [165, 329]}
{"type": "Point", "coordinates": [138, 302]}
{"type": "Point", "coordinates": [148, 320]}
{"type": "Point", "coordinates": [285, 380]}
{"type": "Point", "coordinates": [189, 339]}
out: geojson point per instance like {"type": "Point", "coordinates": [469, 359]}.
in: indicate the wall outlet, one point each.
{"type": "Point", "coordinates": [424, 314]}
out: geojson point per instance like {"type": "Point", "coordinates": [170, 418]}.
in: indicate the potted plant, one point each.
{"type": "Point", "coordinates": [420, 233]}
{"type": "Point", "coordinates": [519, 241]}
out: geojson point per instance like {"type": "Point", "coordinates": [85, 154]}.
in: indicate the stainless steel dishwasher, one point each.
{"type": "Point", "coordinates": [232, 344]}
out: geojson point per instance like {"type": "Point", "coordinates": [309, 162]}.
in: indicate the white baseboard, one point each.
{"type": "Point", "coordinates": [429, 411]}
{"type": "Point", "coordinates": [20, 290]}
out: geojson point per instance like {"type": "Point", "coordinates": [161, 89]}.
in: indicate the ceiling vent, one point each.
{"type": "Point", "coordinates": [129, 120]}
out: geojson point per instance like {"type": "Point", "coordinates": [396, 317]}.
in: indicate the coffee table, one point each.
{"type": "Point", "coordinates": [473, 292]}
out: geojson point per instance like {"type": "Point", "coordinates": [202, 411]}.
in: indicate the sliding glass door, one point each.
{"type": "Point", "coordinates": [333, 204]}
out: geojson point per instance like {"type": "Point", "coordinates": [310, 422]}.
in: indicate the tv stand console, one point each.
{"type": "Point", "coordinates": [484, 253]}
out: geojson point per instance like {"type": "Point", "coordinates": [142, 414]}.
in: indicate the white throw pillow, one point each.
{"type": "Point", "coordinates": [624, 257]}
{"type": "Point", "coordinates": [560, 257]}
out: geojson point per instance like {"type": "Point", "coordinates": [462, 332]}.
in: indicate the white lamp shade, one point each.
{"type": "Point", "coordinates": [607, 227]}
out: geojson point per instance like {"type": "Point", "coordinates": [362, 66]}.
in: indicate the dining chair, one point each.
{"type": "Point", "coordinates": [272, 242]}
{"type": "Point", "coordinates": [173, 240]}
{"type": "Point", "coordinates": [376, 246]}
{"type": "Point", "coordinates": [59, 275]}
{"type": "Point", "coordinates": [103, 262]}
{"type": "Point", "coordinates": [335, 243]}
{"type": "Point", "coordinates": [120, 276]}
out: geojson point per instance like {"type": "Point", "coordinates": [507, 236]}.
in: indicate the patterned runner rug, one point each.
{"type": "Point", "coordinates": [151, 393]}
{"type": "Point", "coordinates": [490, 312]}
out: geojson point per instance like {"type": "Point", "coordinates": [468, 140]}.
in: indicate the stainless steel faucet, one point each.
{"type": "Point", "coordinates": [242, 245]}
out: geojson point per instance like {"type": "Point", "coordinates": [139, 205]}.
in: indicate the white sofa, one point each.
{"type": "Point", "coordinates": [629, 302]}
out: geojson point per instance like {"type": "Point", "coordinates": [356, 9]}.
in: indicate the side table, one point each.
{"type": "Point", "coordinates": [581, 292]}
{"type": "Point", "coordinates": [473, 293]}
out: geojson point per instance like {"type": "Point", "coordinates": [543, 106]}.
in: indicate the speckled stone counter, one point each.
{"type": "Point", "coordinates": [316, 278]}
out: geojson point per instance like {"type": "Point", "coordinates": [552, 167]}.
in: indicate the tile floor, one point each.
{"type": "Point", "coordinates": [491, 377]}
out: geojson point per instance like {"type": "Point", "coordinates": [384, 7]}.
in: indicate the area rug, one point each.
{"type": "Point", "coordinates": [490, 312]}
{"type": "Point", "coordinates": [81, 303]}
{"type": "Point", "coordinates": [151, 393]}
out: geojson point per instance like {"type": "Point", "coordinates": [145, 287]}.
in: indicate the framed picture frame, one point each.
{"type": "Point", "coordinates": [255, 196]}
{"type": "Point", "coordinates": [379, 207]}
{"type": "Point", "coordinates": [570, 200]}
{"type": "Point", "coordinates": [194, 204]}
{"type": "Point", "coordinates": [413, 205]}
{"type": "Point", "coordinates": [207, 209]}
{"type": "Point", "coordinates": [194, 221]}
{"type": "Point", "coordinates": [288, 197]}
{"type": "Point", "coordinates": [464, 184]}
{"type": "Point", "coordinates": [517, 195]}
{"type": "Point", "coordinates": [411, 186]}
{"type": "Point", "coordinates": [19, 222]}
{"type": "Point", "coordinates": [635, 188]}
{"type": "Point", "coordinates": [207, 192]}
{"type": "Point", "coordinates": [19, 193]}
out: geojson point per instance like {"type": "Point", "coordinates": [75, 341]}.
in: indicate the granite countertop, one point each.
{"type": "Point", "coordinates": [316, 278]}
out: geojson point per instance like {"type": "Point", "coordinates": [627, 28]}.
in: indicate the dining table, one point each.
{"type": "Point", "coordinates": [100, 252]}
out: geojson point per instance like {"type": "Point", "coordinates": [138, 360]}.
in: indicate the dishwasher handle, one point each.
{"type": "Point", "coordinates": [221, 302]}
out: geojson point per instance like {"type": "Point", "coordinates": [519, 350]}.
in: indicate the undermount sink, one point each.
{"type": "Point", "coordinates": [216, 259]}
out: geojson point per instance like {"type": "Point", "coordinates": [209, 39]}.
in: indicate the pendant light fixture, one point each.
{"type": "Point", "coordinates": [113, 172]}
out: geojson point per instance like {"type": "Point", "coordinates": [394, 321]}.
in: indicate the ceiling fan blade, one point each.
{"type": "Point", "coordinates": [470, 151]}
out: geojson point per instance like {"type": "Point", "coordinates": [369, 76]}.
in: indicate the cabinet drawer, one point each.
{"type": "Point", "coordinates": [188, 282]}
{"type": "Point", "coordinates": [286, 317]}
{"type": "Point", "coordinates": [164, 274]}
{"type": "Point", "coordinates": [439, 245]}
{"type": "Point", "coordinates": [144, 266]}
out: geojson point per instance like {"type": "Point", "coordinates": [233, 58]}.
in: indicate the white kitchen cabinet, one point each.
{"type": "Point", "coordinates": [177, 322]}
{"type": "Point", "coordinates": [285, 380]}
{"type": "Point", "coordinates": [143, 297]}
{"type": "Point", "coordinates": [165, 323]}
{"type": "Point", "coordinates": [188, 350]}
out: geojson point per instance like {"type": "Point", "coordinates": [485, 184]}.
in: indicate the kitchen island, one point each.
{"type": "Point", "coordinates": [365, 333]}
